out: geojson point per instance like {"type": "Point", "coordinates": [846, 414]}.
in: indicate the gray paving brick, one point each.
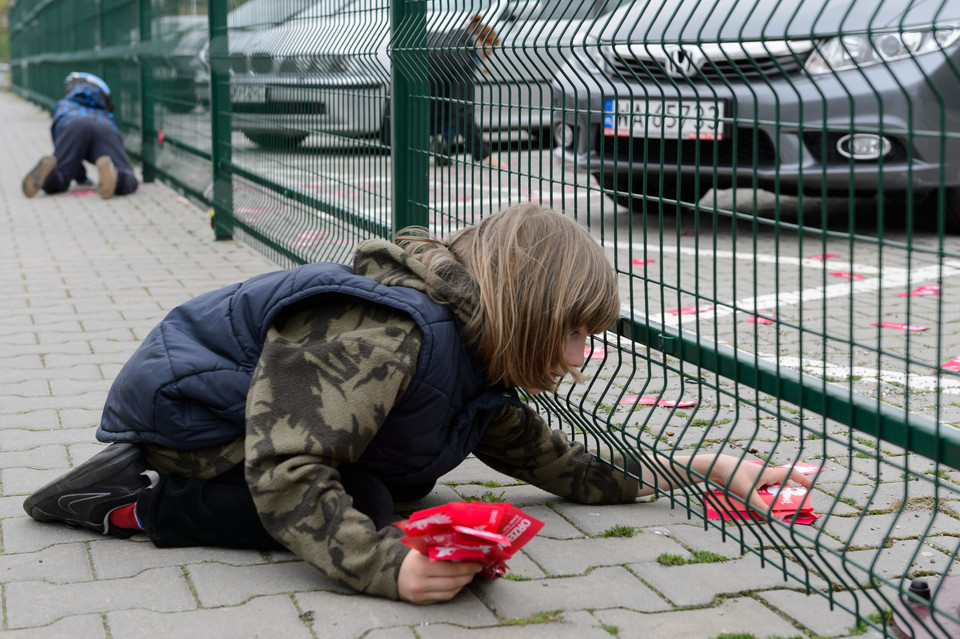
{"type": "Point", "coordinates": [114, 559]}
{"type": "Point", "coordinates": [601, 588]}
{"type": "Point", "coordinates": [347, 616]}
{"type": "Point", "coordinates": [79, 627]}
{"type": "Point", "coordinates": [739, 615]}
{"type": "Point", "coordinates": [562, 628]}
{"type": "Point", "coordinates": [60, 563]}
{"type": "Point", "coordinates": [33, 603]}
{"type": "Point", "coordinates": [219, 584]}
{"type": "Point", "coordinates": [566, 557]}
{"type": "Point", "coordinates": [813, 611]}
{"type": "Point", "coordinates": [264, 617]}
{"type": "Point", "coordinates": [699, 584]}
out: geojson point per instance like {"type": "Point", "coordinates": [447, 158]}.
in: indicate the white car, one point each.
{"type": "Point", "coordinates": [326, 69]}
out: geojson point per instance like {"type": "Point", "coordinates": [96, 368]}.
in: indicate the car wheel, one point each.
{"type": "Point", "coordinates": [632, 193]}
{"type": "Point", "coordinates": [276, 140]}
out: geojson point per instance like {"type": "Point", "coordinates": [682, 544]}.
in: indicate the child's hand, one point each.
{"type": "Point", "coordinates": [422, 581]}
{"type": "Point", "coordinates": [744, 479]}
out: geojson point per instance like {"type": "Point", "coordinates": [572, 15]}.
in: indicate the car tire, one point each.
{"type": "Point", "coordinates": [276, 140]}
{"type": "Point", "coordinates": [631, 194]}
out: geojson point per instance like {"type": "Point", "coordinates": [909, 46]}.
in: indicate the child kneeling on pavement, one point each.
{"type": "Point", "coordinates": [83, 128]}
{"type": "Point", "coordinates": [292, 410]}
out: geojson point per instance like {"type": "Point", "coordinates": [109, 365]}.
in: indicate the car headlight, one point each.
{"type": "Point", "coordinates": [849, 51]}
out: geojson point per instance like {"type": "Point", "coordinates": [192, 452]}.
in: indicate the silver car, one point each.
{"type": "Point", "coordinates": [666, 99]}
{"type": "Point", "coordinates": [326, 69]}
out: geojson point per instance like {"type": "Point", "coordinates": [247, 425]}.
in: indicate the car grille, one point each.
{"type": "Point", "coordinates": [257, 63]}
{"type": "Point", "coordinates": [738, 148]}
{"type": "Point", "coordinates": [724, 70]}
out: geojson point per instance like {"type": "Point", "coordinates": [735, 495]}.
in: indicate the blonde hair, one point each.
{"type": "Point", "coordinates": [539, 275]}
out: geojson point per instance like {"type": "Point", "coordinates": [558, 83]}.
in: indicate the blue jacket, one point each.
{"type": "Point", "coordinates": [186, 385]}
{"type": "Point", "coordinates": [85, 100]}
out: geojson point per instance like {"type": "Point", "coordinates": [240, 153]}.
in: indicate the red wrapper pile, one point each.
{"type": "Point", "coordinates": [470, 531]}
{"type": "Point", "coordinates": [790, 503]}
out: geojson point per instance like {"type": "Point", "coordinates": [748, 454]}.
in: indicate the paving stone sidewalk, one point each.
{"type": "Point", "coordinates": [83, 280]}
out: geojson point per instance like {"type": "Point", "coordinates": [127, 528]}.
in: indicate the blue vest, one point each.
{"type": "Point", "coordinates": [84, 100]}
{"type": "Point", "coordinates": [186, 385]}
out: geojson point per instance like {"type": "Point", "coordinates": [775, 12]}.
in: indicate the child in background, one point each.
{"type": "Point", "coordinates": [83, 129]}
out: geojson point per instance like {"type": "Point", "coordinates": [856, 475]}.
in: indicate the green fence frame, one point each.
{"type": "Point", "coordinates": [263, 199]}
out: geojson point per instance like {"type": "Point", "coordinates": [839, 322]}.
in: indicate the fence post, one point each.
{"type": "Point", "coordinates": [221, 120]}
{"type": "Point", "coordinates": [409, 126]}
{"type": "Point", "coordinates": [148, 134]}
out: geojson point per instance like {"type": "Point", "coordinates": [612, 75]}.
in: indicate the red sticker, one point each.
{"type": "Point", "coordinates": [756, 319]}
{"type": "Point", "coordinates": [638, 262]}
{"type": "Point", "coordinates": [594, 352]}
{"type": "Point", "coordinates": [849, 276]}
{"type": "Point", "coordinates": [690, 310]}
{"type": "Point", "coordinates": [902, 327]}
{"type": "Point", "coordinates": [653, 401]}
{"type": "Point", "coordinates": [160, 137]}
{"type": "Point", "coordinates": [950, 365]}
{"type": "Point", "coordinates": [929, 289]}
{"type": "Point", "coordinates": [81, 192]}
{"type": "Point", "coordinates": [823, 256]}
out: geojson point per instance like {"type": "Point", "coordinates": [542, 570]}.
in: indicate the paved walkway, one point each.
{"type": "Point", "coordinates": [82, 282]}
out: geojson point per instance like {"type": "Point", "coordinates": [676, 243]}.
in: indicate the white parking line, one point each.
{"type": "Point", "coordinates": [886, 278]}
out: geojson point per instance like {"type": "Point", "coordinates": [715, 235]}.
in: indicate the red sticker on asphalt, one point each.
{"type": "Point", "coordinates": [653, 401]}
{"type": "Point", "coordinates": [756, 319]}
{"type": "Point", "coordinates": [929, 289]}
{"type": "Point", "coordinates": [902, 327]}
{"type": "Point", "coordinates": [823, 256]}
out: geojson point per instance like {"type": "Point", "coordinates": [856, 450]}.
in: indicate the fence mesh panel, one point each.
{"type": "Point", "coordinates": [777, 185]}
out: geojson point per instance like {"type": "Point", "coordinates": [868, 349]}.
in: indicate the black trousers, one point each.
{"type": "Point", "coordinates": [181, 512]}
{"type": "Point", "coordinates": [84, 138]}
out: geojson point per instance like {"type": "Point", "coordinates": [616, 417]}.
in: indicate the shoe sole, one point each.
{"type": "Point", "coordinates": [33, 183]}
{"type": "Point", "coordinates": [107, 173]}
{"type": "Point", "coordinates": [98, 468]}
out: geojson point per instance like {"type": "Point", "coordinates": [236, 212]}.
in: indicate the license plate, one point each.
{"type": "Point", "coordinates": [248, 93]}
{"type": "Point", "coordinates": [669, 119]}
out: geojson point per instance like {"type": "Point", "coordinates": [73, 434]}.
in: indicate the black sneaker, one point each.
{"type": "Point", "coordinates": [86, 495]}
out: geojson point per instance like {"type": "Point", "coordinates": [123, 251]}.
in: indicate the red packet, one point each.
{"type": "Point", "coordinates": [470, 531]}
{"type": "Point", "coordinates": [790, 503]}
{"type": "Point", "coordinates": [653, 401]}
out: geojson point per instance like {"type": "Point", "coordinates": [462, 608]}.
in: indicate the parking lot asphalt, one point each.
{"type": "Point", "coordinates": [83, 280]}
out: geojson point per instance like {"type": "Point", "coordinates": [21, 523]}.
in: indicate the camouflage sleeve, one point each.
{"type": "Point", "coordinates": [519, 443]}
{"type": "Point", "coordinates": [324, 384]}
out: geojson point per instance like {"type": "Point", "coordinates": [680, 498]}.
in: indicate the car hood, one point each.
{"type": "Point", "coordinates": [743, 21]}
{"type": "Point", "coordinates": [340, 34]}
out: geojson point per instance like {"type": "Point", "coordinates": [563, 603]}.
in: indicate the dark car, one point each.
{"type": "Point", "coordinates": [664, 100]}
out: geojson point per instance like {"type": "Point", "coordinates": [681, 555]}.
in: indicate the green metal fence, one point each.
{"type": "Point", "coordinates": [777, 184]}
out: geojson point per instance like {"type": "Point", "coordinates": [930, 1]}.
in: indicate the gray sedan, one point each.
{"type": "Point", "coordinates": [326, 69]}
{"type": "Point", "coordinates": [666, 99]}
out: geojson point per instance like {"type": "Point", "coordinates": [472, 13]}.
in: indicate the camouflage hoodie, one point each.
{"type": "Point", "coordinates": [336, 371]}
